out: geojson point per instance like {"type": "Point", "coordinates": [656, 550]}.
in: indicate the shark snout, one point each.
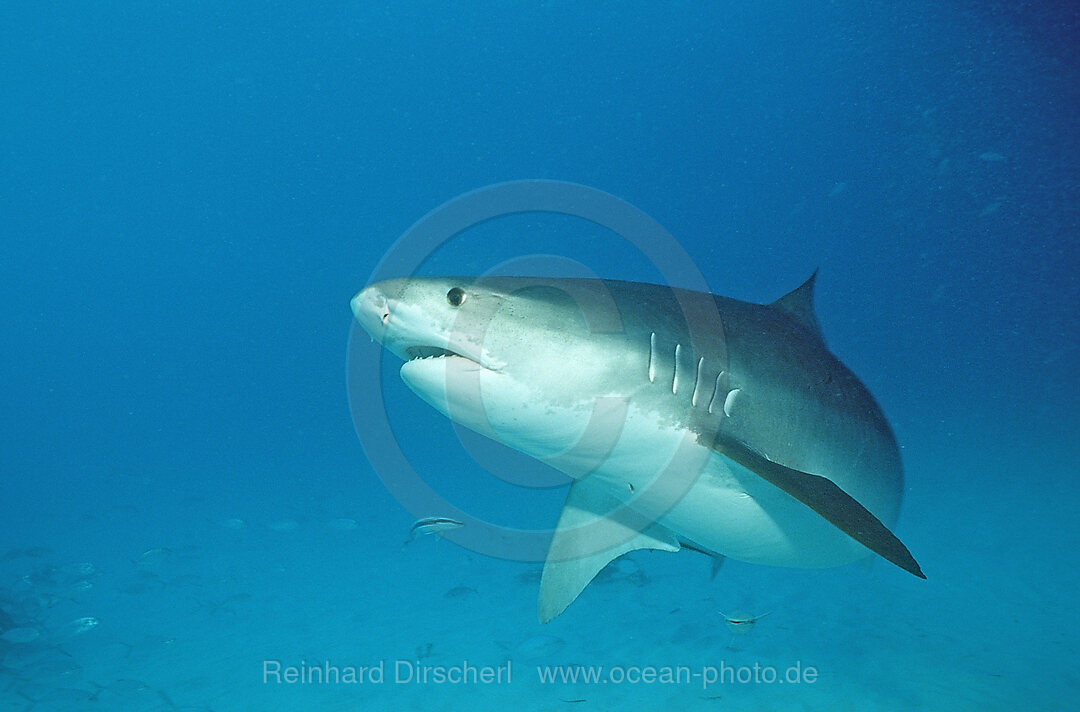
{"type": "Point", "coordinates": [371, 308]}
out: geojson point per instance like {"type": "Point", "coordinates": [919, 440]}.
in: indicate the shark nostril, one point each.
{"type": "Point", "coordinates": [381, 306]}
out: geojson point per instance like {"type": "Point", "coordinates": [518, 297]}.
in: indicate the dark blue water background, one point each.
{"type": "Point", "coordinates": [190, 194]}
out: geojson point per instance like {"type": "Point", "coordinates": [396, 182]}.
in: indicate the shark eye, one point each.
{"type": "Point", "coordinates": [455, 296]}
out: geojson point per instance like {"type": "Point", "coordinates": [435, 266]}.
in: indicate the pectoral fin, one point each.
{"type": "Point", "coordinates": [590, 519]}
{"type": "Point", "coordinates": [827, 499]}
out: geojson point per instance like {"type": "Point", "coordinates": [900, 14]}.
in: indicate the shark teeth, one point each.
{"type": "Point", "coordinates": [425, 352]}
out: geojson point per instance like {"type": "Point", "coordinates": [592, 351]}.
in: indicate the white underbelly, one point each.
{"type": "Point", "coordinates": [654, 467]}
{"type": "Point", "coordinates": [706, 498]}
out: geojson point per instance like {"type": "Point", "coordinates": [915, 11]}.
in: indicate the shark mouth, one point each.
{"type": "Point", "coordinates": [415, 353]}
{"type": "Point", "coordinates": [419, 352]}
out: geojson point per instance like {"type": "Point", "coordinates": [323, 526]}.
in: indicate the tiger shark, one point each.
{"type": "Point", "coordinates": [685, 419]}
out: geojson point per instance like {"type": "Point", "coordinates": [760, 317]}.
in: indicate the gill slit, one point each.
{"type": "Point", "coordinates": [652, 357]}
{"type": "Point", "coordinates": [716, 391]}
{"type": "Point", "coordinates": [675, 375]}
{"type": "Point", "coordinates": [697, 382]}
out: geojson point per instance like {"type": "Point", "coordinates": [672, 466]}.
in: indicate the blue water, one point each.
{"type": "Point", "coordinates": [191, 193]}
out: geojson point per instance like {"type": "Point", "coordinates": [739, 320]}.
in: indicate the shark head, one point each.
{"type": "Point", "coordinates": [415, 318]}
{"type": "Point", "coordinates": [493, 354]}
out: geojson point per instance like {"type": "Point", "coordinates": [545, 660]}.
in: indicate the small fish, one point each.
{"type": "Point", "coordinates": [342, 524]}
{"type": "Point", "coordinates": [76, 572]}
{"type": "Point", "coordinates": [432, 525]}
{"type": "Point", "coordinates": [81, 625]}
{"type": "Point", "coordinates": [741, 623]}
{"type": "Point", "coordinates": [157, 552]}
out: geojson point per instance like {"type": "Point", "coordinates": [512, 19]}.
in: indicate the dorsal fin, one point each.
{"type": "Point", "coordinates": [799, 303]}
